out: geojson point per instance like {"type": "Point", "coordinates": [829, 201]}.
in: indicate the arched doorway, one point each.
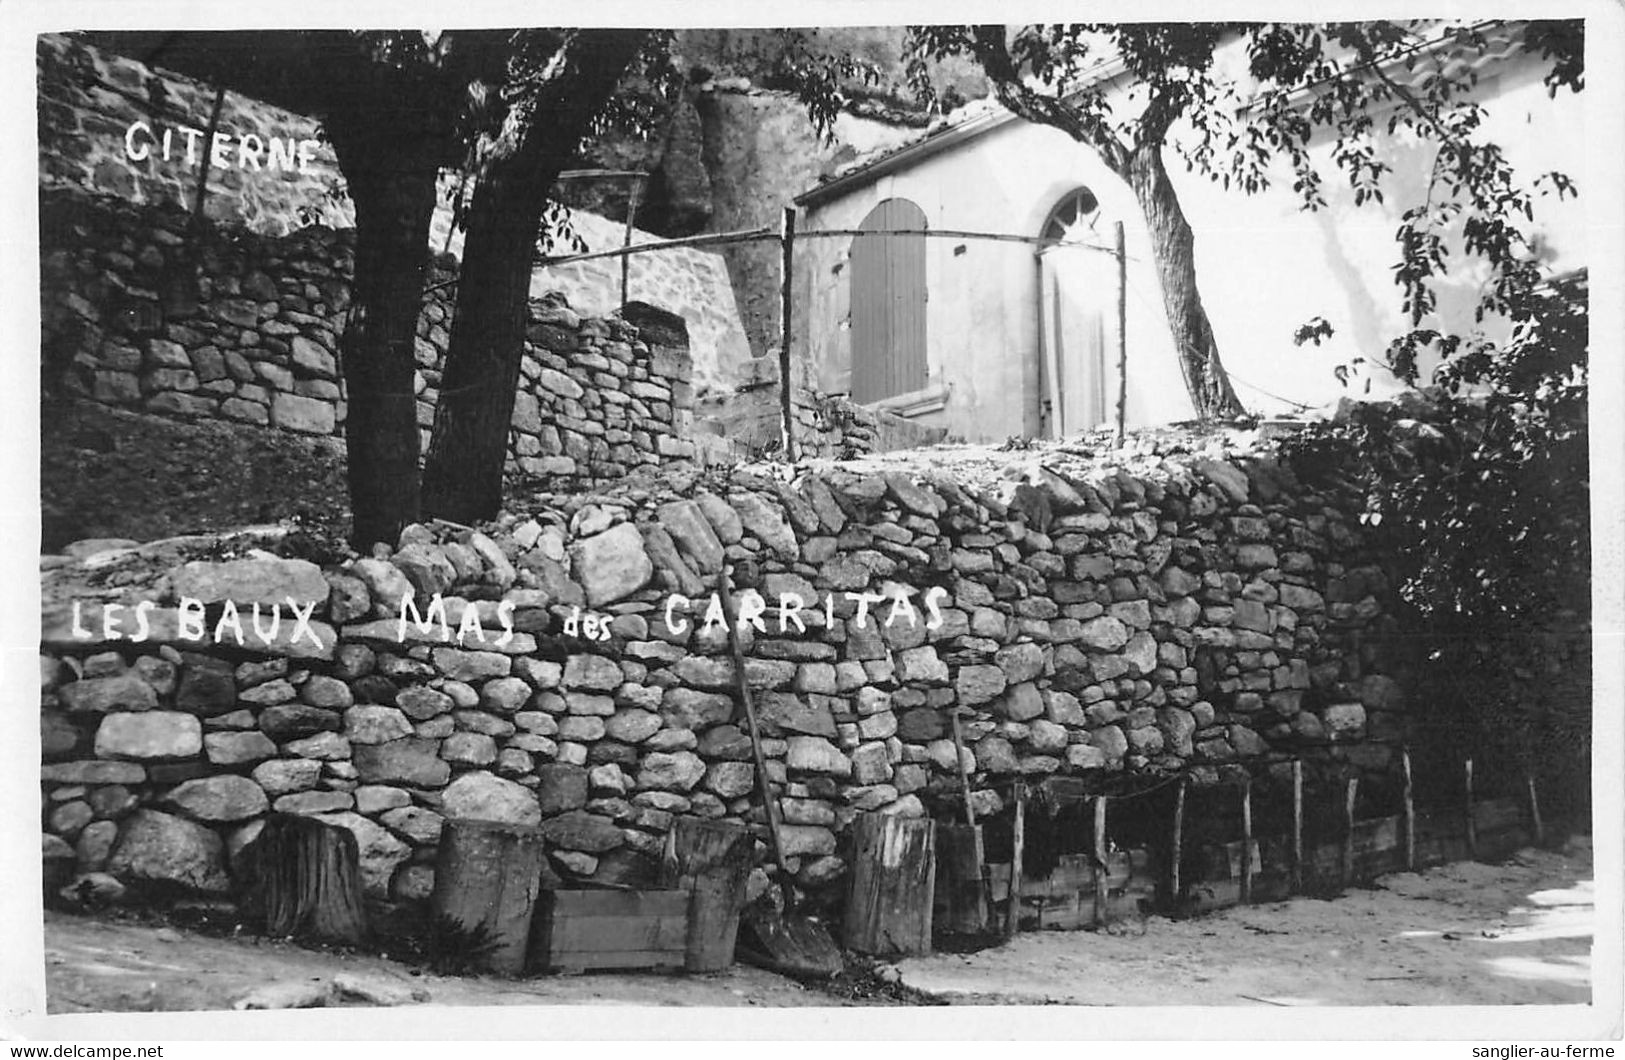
{"type": "Point", "coordinates": [888, 304]}
{"type": "Point", "coordinates": [1077, 296]}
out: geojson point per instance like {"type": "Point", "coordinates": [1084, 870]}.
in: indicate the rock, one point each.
{"type": "Point", "coordinates": [426, 568]}
{"type": "Point", "coordinates": [471, 666]}
{"type": "Point", "coordinates": [1106, 633]}
{"type": "Point", "coordinates": [416, 824]}
{"type": "Point", "coordinates": [1085, 756]}
{"type": "Point", "coordinates": [93, 890]}
{"type": "Point", "coordinates": [421, 704]}
{"type": "Point", "coordinates": [780, 713]}
{"type": "Point", "coordinates": [921, 666]}
{"type": "Point", "coordinates": [99, 695]}
{"type": "Point", "coordinates": [632, 726]}
{"type": "Point", "coordinates": [685, 708]}
{"type": "Point", "coordinates": [767, 523]}
{"type": "Point", "coordinates": [312, 803]}
{"type": "Point", "coordinates": [469, 749]}
{"type": "Point", "coordinates": [979, 684]}
{"type": "Point", "coordinates": [484, 796]}
{"type": "Point", "coordinates": [385, 583]}
{"type": "Point", "coordinates": [238, 748]}
{"type": "Point", "coordinates": [329, 693]}
{"type": "Point", "coordinates": [324, 746]}
{"type": "Point", "coordinates": [375, 991]}
{"type": "Point", "coordinates": [677, 771]}
{"type": "Point", "coordinates": [267, 581]}
{"type": "Point", "coordinates": [612, 565]}
{"type": "Point", "coordinates": [162, 848]}
{"type": "Point", "coordinates": [1020, 662]}
{"type": "Point", "coordinates": [1141, 653]}
{"type": "Point", "coordinates": [290, 721]}
{"type": "Point", "coordinates": [870, 764]}
{"type": "Point", "coordinates": [582, 831]}
{"type": "Point", "coordinates": [93, 771]}
{"type": "Point", "coordinates": [994, 755]}
{"type": "Point", "coordinates": [593, 673]}
{"type": "Point", "coordinates": [208, 687]}
{"type": "Point", "coordinates": [412, 761]}
{"type": "Point", "coordinates": [1046, 736]}
{"type": "Point", "coordinates": [730, 780]}
{"type": "Point", "coordinates": [806, 840]}
{"type": "Point", "coordinates": [1343, 720]}
{"type": "Point", "coordinates": [813, 754]}
{"type": "Point", "coordinates": [218, 798]}
{"type": "Point", "coordinates": [1023, 702]}
{"type": "Point", "coordinates": [150, 735]}
{"type": "Point", "coordinates": [381, 852]}
{"type": "Point", "coordinates": [504, 695]}
{"type": "Point", "coordinates": [375, 725]}
{"type": "Point", "coordinates": [694, 535]}
{"type": "Point", "coordinates": [318, 993]}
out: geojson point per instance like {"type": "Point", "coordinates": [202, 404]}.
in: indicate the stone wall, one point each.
{"type": "Point", "coordinates": [1188, 613]}
{"type": "Point", "coordinates": [140, 311]}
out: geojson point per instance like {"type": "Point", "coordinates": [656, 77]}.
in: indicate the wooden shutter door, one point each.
{"type": "Point", "coordinates": [888, 304]}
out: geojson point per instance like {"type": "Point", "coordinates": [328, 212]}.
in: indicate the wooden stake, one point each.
{"type": "Point", "coordinates": [1100, 859]}
{"type": "Point", "coordinates": [1350, 790]}
{"type": "Point", "coordinates": [1297, 823]}
{"type": "Point", "coordinates": [1472, 823]}
{"type": "Point", "coordinates": [1410, 810]}
{"type": "Point", "coordinates": [1179, 838]}
{"type": "Point", "coordinates": [970, 812]}
{"type": "Point", "coordinates": [1534, 810]}
{"type": "Point", "coordinates": [787, 244]}
{"type": "Point", "coordinates": [1018, 840]}
{"type": "Point", "coordinates": [1122, 334]}
{"type": "Point", "coordinates": [1247, 840]}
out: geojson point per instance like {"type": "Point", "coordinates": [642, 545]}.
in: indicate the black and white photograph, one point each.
{"type": "Point", "coordinates": [900, 522]}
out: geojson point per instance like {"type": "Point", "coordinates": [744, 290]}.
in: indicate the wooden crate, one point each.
{"type": "Point", "coordinates": [576, 931]}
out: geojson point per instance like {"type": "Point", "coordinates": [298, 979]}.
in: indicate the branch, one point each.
{"type": "Point", "coordinates": [988, 44]}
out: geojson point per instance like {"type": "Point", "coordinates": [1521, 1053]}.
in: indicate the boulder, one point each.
{"type": "Point", "coordinates": [267, 581]}
{"type": "Point", "coordinates": [238, 748]}
{"type": "Point", "coordinates": [676, 771]}
{"type": "Point", "coordinates": [149, 735]}
{"type": "Point", "coordinates": [157, 847]}
{"type": "Point", "coordinates": [100, 695]}
{"type": "Point", "coordinates": [487, 797]}
{"type": "Point", "coordinates": [413, 761]}
{"type": "Point", "coordinates": [374, 724]}
{"type": "Point", "coordinates": [582, 831]}
{"type": "Point", "coordinates": [381, 852]}
{"type": "Point", "coordinates": [813, 754]}
{"type": "Point", "coordinates": [612, 565]}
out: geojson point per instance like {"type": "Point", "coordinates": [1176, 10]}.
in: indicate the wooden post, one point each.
{"type": "Point", "coordinates": [1178, 842]}
{"type": "Point", "coordinates": [1122, 335]}
{"type": "Point", "coordinates": [1408, 793]}
{"type": "Point", "coordinates": [712, 860]}
{"type": "Point", "coordinates": [894, 868]}
{"type": "Point", "coordinates": [1350, 790]}
{"type": "Point", "coordinates": [488, 875]}
{"type": "Point", "coordinates": [1247, 840]}
{"type": "Point", "coordinates": [1472, 823]}
{"type": "Point", "coordinates": [631, 220]}
{"type": "Point", "coordinates": [1100, 859]}
{"type": "Point", "coordinates": [1538, 825]}
{"type": "Point", "coordinates": [1297, 824]}
{"type": "Point", "coordinates": [787, 243]}
{"type": "Point", "coordinates": [979, 850]}
{"type": "Point", "coordinates": [1018, 841]}
{"type": "Point", "coordinates": [307, 879]}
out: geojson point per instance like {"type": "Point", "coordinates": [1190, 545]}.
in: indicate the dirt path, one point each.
{"type": "Point", "coordinates": [1462, 934]}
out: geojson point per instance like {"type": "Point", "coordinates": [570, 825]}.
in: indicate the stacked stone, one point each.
{"type": "Point", "coordinates": [163, 318]}
{"type": "Point", "coordinates": [89, 98]}
{"type": "Point", "coordinates": [133, 322]}
{"type": "Point", "coordinates": [1201, 617]}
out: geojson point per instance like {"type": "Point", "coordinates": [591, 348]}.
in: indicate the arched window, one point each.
{"type": "Point", "coordinates": [1073, 220]}
{"type": "Point", "coordinates": [888, 304]}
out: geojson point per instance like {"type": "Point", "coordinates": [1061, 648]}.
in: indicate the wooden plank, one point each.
{"type": "Point", "coordinates": [712, 861]}
{"type": "Point", "coordinates": [610, 903]}
{"type": "Point", "coordinates": [1174, 886]}
{"type": "Point", "coordinates": [888, 909]}
{"type": "Point", "coordinates": [1099, 866]}
{"type": "Point", "coordinates": [1472, 824]}
{"type": "Point", "coordinates": [1297, 824]}
{"type": "Point", "coordinates": [1409, 810]}
{"type": "Point", "coordinates": [1350, 791]}
{"type": "Point", "coordinates": [1535, 822]}
{"type": "Point", "coordinates": [1246, 839]}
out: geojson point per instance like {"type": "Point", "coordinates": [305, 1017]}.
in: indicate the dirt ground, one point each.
{"type": "Point", "coordinates": [1463, 934]}
{"type": "Point", "coordinates": [1518, 933]}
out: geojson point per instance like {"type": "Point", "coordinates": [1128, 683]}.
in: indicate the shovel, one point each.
{"type": "Point", "coordinates": [792, 945]}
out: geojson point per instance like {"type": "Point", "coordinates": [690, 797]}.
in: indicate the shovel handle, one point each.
{"type": "Point", "coordinates": [769, 804]}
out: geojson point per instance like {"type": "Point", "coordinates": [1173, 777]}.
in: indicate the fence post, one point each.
{"type": "Point", "coordinates": [1472, 824]}
{"type": "Point", "coordinates": [1012, 912]}
{"type": "Point", "coordinates": [1534, 810]}
{"type": "Point", "coordinates": [1350, 790]}
{"type": "Point", "coordinates": [1179, 839]}
{"type": "Point", "coordinates": [1247, 840]}
{"type": "Point", "coordinates": [1410, 810]}
{"type": "Point", "coordinates": [1297, 824]}
{"type": "Point", "coordinates": [1122, 334]}
{"type": "Point", "coordinates": [787, 244]}
{"type": "Point", "coordinates": [1100, 859]}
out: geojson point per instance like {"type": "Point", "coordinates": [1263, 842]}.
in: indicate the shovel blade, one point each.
{"type": "Point", "coordinates": [795, 945]}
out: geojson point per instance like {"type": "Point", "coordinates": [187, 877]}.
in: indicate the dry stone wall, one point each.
{"type": "Point", "coordinates": [142, 311]}
{"type": "Point", "coordinates": [1196, 614]}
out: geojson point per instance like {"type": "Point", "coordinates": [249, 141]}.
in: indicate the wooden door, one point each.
{"type": "Point", "coordinates": [888, 304]}
{"type": "Point", "coordinates": [1078, 295]}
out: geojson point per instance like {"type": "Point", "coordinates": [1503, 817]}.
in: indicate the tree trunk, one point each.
{"type": "Point", "coordinates": [462, 473]}
{"type": "Point", "coordinates": [487, 878]}
{"type": "Point", "coordinates": [712, 861]}
{"type": "Point", "coordinates": [390, 175]}
{"type": "Point", "coordinates": [1173, 249]}
{"type": "Point", "coordinates": [307, 880]}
